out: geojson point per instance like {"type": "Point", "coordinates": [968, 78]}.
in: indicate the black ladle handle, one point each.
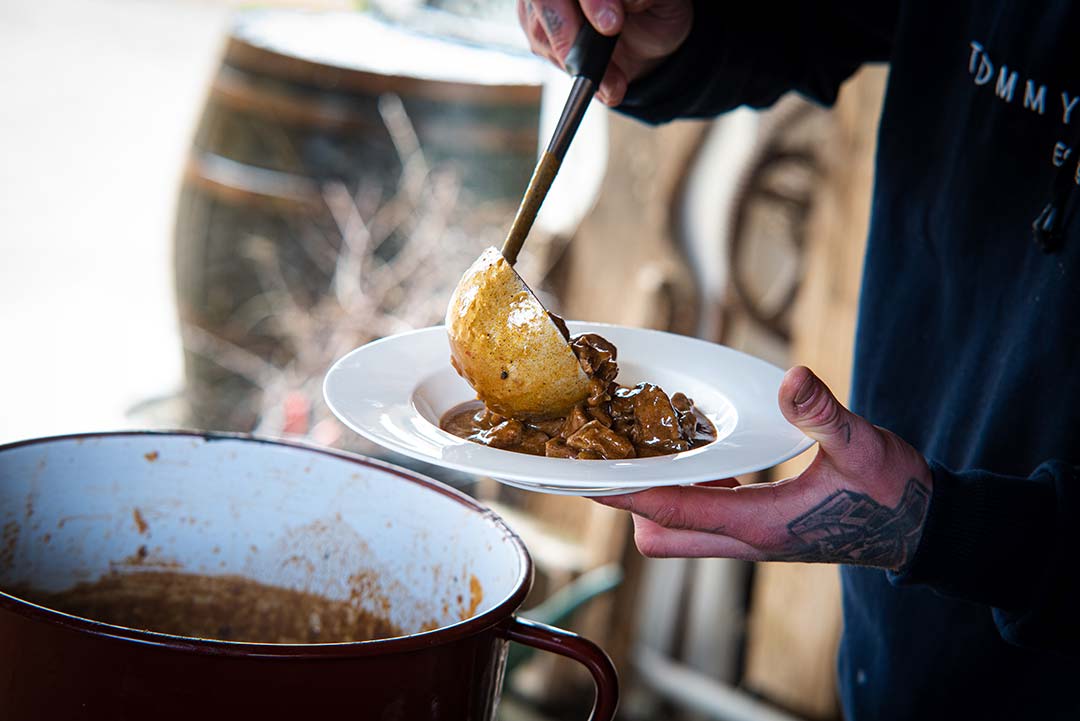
{"type": "Point", "coordinates": [587, 62]}
{"type": "Point", "coordinates": [590, 54]}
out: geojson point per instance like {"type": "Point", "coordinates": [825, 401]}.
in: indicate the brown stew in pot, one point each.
{"type": "Point", "coordinates": [227, 608]}
{"type": "Point", "coordinates": [613, 422]}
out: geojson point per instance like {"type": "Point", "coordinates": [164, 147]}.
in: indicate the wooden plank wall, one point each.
{"type": "Point", "coordinates": [795, 613]}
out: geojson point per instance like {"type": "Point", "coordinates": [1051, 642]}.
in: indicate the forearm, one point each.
{"type": "Point", "coordinates": [751, 54]}
{"type": "Point", "coordinates": [1008, 543]}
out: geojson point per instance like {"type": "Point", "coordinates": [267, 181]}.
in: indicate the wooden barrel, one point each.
{"type": "Point", "coordinates": [308, 103]}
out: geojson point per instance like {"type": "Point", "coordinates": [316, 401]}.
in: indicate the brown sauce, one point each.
{"type": "Point", "coordinates": [614, 422]}
{"type": "Point", "coordinates": [227, 608]}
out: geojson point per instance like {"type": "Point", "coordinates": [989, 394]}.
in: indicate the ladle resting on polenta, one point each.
{"type": "Point", "coordinates": [544, 393]}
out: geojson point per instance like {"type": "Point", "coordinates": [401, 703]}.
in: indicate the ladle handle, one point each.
{"type": "Point", "coordinates": [590, 54]}
{"type": "Point", "coordinates": [587, 62]}
{"type": "Point", "coordinates": [582, 650]}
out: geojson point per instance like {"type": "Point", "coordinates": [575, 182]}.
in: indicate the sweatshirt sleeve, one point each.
{"type": "Point", "coordinates": [1010, 543]}
{"type": "Point", "coordinates": [752, 53]}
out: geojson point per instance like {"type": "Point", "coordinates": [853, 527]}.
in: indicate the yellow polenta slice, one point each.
{"type": "Point", "coordinates": [504, 343]}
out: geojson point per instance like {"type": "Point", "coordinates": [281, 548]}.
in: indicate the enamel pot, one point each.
{"type": "Point", "coordinates": [425, 556]}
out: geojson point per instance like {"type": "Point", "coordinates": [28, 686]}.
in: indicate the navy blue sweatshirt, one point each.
{"type": "Point", "coordinates": [968, 341]}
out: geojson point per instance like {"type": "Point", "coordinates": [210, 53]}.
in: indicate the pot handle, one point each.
{"type": "Point", "coordinates": [582, 650]}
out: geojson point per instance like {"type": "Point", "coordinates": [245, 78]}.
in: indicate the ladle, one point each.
{"type": "Point", "coordinates": [503, 341]}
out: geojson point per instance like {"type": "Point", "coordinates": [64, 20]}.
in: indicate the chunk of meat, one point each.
{"type": "Point", "coordinates": [504, 435]}
{"type": "Point", "coordinates": [577, 418]}
{"type": "Point", "coordinates": [486, 419]}
{"type": "Point", "coordinates": [656, 447]}
{"type": "Point", "coordinates": [622, 405]}
{"type": "Point", "coordinates": [595, 438]}
{"type": "Point", "coordinates": [598, 414]}
{"type": "Point", "coordinates": [681, 403]}
{"type": "Point", "coordinates": [513, 435]}
{"type": "Point", "coordinates": [533, 441]}
{"type": "Point", "coordinates": [551, 427]}
{"type": "Point", "coordinates": [704, 432]}
{"type": "Point", "coordinates": [557, 448]}
{"type": "Point", "coordinates": [684, 407]}
{"type": "Point", "coordinates": [655, 419]}
{"type": "Point", "coordinates": [596, 356]}
{"type": "Point", "coordinates": [599, 392]}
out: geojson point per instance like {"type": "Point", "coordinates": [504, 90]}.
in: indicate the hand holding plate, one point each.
{"type": "Point", "coordinates": [862, 501]}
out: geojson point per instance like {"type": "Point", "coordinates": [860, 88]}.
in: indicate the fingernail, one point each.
{"type": "Point", "coordinates": [606, 19]}
{"type": "Point", "coordinates": [806, 390]}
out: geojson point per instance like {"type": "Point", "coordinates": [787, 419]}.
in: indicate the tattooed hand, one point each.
{"type": "Point", "coordinates": [862, 501]}
{"type": "Point", "coordinates": [651, 30]}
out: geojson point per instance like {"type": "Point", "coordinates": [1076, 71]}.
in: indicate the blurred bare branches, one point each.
{"type": "Point", "coordinates": [393, 271]}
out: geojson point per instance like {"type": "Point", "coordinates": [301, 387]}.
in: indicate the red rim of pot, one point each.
{"type": "Point", "coordinates": [401, 644]}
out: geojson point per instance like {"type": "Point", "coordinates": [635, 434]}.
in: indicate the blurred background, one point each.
{"type": "Point", "coordinates": [204, 203]}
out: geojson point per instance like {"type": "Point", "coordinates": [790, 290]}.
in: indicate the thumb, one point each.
{"type": "Point", "coordinates": [809, 405]}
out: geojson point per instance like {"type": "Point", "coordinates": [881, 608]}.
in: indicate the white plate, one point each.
{"type": "Point", "coordinates": [393, 392]}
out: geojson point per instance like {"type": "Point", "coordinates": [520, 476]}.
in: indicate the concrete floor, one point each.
{"type": "Point", "coordinates": [100, 99]}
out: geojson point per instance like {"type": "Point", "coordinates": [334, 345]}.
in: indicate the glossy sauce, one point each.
{"type": "Point", "coordinates": [671, 432]}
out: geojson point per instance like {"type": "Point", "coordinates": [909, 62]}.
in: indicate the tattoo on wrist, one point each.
{"type": "Point", "coordinates": [850, 527]}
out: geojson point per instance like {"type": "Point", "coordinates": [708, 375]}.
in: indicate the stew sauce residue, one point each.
{"type": "Point", "coordinates": [226, 608]}
{"type": "Point", "coordinates": [614, 422]}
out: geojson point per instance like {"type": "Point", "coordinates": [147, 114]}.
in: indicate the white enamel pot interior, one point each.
{"type": "Point", "coordinates": [73, 509]}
